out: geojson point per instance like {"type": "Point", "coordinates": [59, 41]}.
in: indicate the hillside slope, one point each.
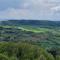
{"type": "Point", "coordinates": [41, 23]}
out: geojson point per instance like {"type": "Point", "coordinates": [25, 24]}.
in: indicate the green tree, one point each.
{"type": "Point", "coordinates": [3, 57]}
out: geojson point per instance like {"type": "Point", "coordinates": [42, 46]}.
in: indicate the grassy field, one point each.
{"type": "Point", "coordinates": [30, 28]}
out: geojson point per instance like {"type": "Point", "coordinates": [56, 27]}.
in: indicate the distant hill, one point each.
{"type": "Point", "coordinates": [40, 23]}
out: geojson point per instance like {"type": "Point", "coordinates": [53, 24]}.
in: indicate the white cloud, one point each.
{"type": "Point", "coordinates": [56, 8]}
{"type": "Point", "coordinates": [33, 9]}
{"type": "Point", "coordinates": [16, 13]}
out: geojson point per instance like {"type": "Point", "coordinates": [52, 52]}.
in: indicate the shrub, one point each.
{"type": "Point", "coordinates": [3, 57]}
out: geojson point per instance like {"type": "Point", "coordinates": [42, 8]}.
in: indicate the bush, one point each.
{"type": "Point", "coordinates": [3, 57]}
{"type": "Point", "coordinates": [23, 51]}
{"type": "Point", "coordinates": [57, 57]}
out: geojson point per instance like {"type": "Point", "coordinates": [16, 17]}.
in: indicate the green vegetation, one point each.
{"type": "Point", "coordinates": [44, 37]}
{"type": "Point", "coordinates": [29, 40]}
{"type": "Point", "coordinates": [23, 51]}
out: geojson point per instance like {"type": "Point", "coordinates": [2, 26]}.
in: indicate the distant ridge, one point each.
{"type": "Point", "coordinates": [41, 23]}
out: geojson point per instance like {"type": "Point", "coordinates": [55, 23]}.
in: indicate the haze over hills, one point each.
{"type": "Point", "coordinates": [41, 23]}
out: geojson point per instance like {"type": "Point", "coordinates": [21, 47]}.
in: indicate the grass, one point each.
{"type": "Point", "coordinates": [32, 29]}
{"type": "Point", "coordinates": [28, 28]}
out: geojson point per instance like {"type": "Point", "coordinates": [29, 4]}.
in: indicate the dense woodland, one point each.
{"type": "Point", "coordinates": [29, 40]}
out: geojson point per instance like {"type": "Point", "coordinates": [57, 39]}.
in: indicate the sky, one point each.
{"type": "Point", "coordinates": [30, 9]}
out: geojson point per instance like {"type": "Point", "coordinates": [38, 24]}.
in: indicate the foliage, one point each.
{"type": "Point", "coordinates": [3, 57]}
{"type": "Point", "coordinates": [23, 51]}
{"type": "Point", "coordinates": [41, 40]}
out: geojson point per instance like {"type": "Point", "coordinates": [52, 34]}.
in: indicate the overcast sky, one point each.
{"type": "Point", "coordinates": [30, 9]}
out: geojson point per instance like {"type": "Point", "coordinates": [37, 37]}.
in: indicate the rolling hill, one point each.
{"type": "Point", "coordinates": [41, 23]}
{"type": "Point", "coordinates": [43, 34]}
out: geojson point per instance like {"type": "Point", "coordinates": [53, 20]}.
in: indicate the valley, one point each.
{"type": "Point", "coordinates": [41, 36]}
